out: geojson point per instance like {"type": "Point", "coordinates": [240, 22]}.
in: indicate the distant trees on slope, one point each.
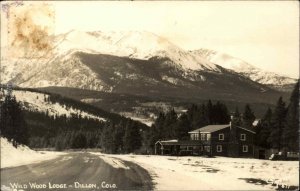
{"type": "Point", "coordinates": [47, 130]}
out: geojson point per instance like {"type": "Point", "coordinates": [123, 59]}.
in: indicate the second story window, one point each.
{"type": "Point", "coordinates": [195, 136]}
{"type": "Point", "coordinates": [221, 137]}
{"type": "Point", "coordinates": [243, 137]}
{"type": "Point", "coordinates": [208, 137]}
{"type": "Point", "coordinates": [203, 137]}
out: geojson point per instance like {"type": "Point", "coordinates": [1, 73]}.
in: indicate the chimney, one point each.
{"type": "Point", "coordinates": [230, 123]}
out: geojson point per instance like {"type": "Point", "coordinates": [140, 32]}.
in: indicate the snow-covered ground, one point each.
{"type": "Point", "coordinates": [36, 102]}
{"type": "Point", "coordinates": [12, 157]}
{"type": "Point", "coordinates": [221, 173]}
{"type": "Point", "coordinates": [143, 119]}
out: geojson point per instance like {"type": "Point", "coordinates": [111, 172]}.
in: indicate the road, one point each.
{"type": "Point", "coordinates": [76, 171]}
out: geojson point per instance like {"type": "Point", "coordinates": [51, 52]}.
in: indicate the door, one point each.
{"type": "Point", "coordinates": [262, 154]}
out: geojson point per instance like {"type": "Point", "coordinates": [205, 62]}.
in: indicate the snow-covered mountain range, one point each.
{"type": "Point", "coordinates": [244, 68]}
{"type": "Point", "coordinates": [140, 63]}
{"type": "Point", "coordinates": [134, 44]}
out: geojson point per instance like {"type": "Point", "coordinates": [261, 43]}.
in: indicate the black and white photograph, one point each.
{"type": "Point", "coordinates": [149, 95]}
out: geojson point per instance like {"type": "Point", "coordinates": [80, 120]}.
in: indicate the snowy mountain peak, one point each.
{"type": "Point", "coordinates": [133, 44]}
{"type": "Point", "coordinates": [239, 66]}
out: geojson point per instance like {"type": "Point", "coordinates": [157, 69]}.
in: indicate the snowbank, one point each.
{"type": "Point", "coordinates": [114, 162]}
{"type": "Point", "coordinates": [221, 173]}
{"type": "Point", "coordinates": [11, 156]}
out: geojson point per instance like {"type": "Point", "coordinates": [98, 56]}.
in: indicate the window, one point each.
{"type": "Point", "coordinates": [195, 136]}
{"type": "Point", "coordinates": [183, 148]}
{"type": "Point", "coordinates": [221, 136]}
{"type": "Point", "coordinates": [219, 148]}
{"type": "Point", "coordinates": [207, 148]}
{"type": "Point", "coordinates": [208, 137]}
{"type": "Point", "coordinates": [245, 148]}
{"type": "Point", "coordinates": [203, 136]}
{"type": "Point", "coordinates": [192, 136]}
{"type": "Point", "coordinates": [189, 148]}
{"type": "Point", "coordinates": [196, 148]}
{"type": "Point", "coordinates": [243, 137]}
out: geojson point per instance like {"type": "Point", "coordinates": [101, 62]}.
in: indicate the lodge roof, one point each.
{"type": "Point", "coordinates": [210, 128]}
{"type": "Point", "coordinates": [181, 142]}
{"type": "Point", "coordinates": [213, 128]}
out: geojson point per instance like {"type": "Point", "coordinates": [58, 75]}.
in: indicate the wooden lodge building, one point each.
{"type": "Point", "coordinates": [212, 140]}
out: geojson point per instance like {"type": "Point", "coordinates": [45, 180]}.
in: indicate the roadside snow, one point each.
{"type": "Point", "coordinates": [221, 173]}
{"type": "Point", "coordinates": [12, 157]}
{"type": "Point", "coordinates": [116, 163]}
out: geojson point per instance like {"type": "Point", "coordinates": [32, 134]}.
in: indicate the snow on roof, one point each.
{"type": "Point", "coordinates": [255, 122]}
{"type": "Point", "coordinates": [213, 128]}
{"type": "Point", "coordinates": [174, 140]}
{"type": "Point", "coordinates": [181, 142]}
{"type": "Point", "coordinates": [210, 128]}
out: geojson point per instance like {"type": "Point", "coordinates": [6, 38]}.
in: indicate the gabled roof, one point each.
{"type": "Point", "coordinates": [210, 128]}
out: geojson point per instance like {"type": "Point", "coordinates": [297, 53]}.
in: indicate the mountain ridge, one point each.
{"type": "Point", "coordinates": [132, 44]}
{"type": "Point", "coordinates": [239, 66]}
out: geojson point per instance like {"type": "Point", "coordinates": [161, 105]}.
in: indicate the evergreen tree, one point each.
{"type": "Point", "coordinates": [79, 141]}
{"type": "Point", "coordinates": [236, 117]}
{"type": "Point", "coordinates": [210, 113]}
{"type": "Point", "coordinates": [248, 117]}
{"type": "Point", "coordinates": [150, 136]}
{"type": "Point", "coordinates": [159, 125]}
{"type": "Point", "coordinates": [278, 122]}
{"type": "Point", "coordinates": [106, 139]}
{"type": "Point", "coordinates": [13, 125]}
{"type": "Point", "coordinates": [290, 135]}
{"type": "Point", "coordinates": [118, 134]}
{"type": "Point", "coordinates": [220, 114]}
{"type": "Point", "coordinates": [198, 116]}
{"type": "Point", "coordinates": [263, 130]}
{"type": "Point", "coordinates": [182, 128]}
{"type": "Point", "coordinates": [169, 124]}
{"type": "Point", "coordinates": [132, 137]}
{"type": "Point", "coordinates": [60, 143]}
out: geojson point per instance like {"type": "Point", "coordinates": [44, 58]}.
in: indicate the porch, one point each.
{"type": "Point", "coordinates": [181, 148]}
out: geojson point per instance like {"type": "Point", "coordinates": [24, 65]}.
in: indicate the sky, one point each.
{"type": "Point", "coordinates": [264, 34]}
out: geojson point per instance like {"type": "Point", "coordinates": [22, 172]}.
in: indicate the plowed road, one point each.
{"type": "Point", "coordinates": [75, 171]}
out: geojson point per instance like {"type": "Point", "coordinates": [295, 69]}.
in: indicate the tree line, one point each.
{"type": "Point", "coordinates": [46, 130]}
{"type": "Point", "coordinates": [279, 128]}
{"type": "Point", "coordinates": [13, 125]}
